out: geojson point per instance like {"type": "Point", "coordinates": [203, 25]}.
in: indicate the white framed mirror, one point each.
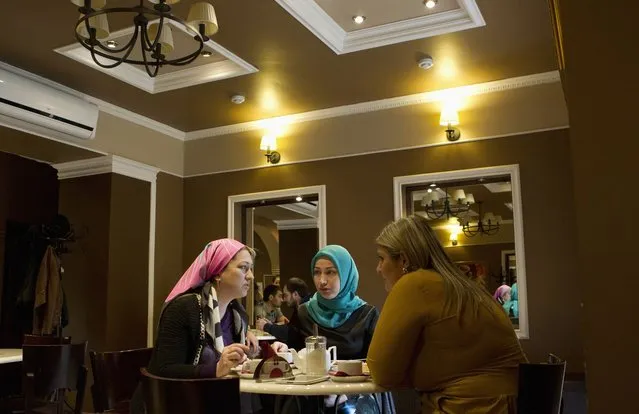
{"type": "Point", "coordinates": [286, 227]}
{"type": "Point", "coordinates": [477, 216]}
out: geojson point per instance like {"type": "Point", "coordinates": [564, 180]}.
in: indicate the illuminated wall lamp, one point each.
{"type": "Point", "coordinates": [269, 144]}
{"type": "Point", "coordinates": [450, 118]}
{"type": "Point", "coordinates": [453, 239]}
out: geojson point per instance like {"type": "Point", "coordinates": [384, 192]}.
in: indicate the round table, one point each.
{"type": "Point", "coordinates": [323, 388]}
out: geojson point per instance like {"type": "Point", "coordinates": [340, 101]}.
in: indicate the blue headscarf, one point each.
{"type": "Point", "coordinates": [512, 306]}
{"type": "Point", "coordinates": [332, 313]}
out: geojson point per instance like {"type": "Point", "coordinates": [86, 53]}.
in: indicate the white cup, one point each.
{"type": "Point", "coordinates": [288, 356]}
{"type": "Point", "coordinates": [251, 365]}
{"type": "Point", "coordinates": [352, 368]}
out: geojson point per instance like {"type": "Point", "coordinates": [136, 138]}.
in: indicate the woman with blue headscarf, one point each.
{"type": "Point", "coordinates": [340, 315]}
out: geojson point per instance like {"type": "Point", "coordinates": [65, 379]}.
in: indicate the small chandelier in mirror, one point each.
{"type": "Point", "coordinates": [437, 206]}
{"type": "Point", "coordinates": [152, 33]}
{"type": "Point", "coordinates": [487, 224]}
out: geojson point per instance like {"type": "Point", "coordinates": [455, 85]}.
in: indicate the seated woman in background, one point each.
{"type": "Point", "coordinates": [340, 315]}
{"type": "Point", "coordinates": [203, 328]}
{"type": "Point", "coordinates": [440, 332]}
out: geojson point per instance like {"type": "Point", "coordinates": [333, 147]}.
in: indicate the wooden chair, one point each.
{"type": "Point", "coordinates": [45, 340]}
{"type": "Point", "coordinates": [49, 370]}
{"type": "Point", "coordinates": [192, 396]}
{"type": "Point", "coordinates": [541, 386]}
{"type": "Point", "coordinates": [116, 375]}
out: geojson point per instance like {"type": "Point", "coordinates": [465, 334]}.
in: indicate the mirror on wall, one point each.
{"type": "Point", "coordinates": [476, 215]}
{"type": "Point", "coordinates": [286, 227]}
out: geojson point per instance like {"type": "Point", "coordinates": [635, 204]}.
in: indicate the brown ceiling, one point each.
{"type": "Point", "coordinates": [297, 71]}
{"type": "Point", "coordinates": [41, 149]}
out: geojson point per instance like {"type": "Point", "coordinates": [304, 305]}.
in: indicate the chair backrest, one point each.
{"type": "Point", "coordinates": [47, 369]}
{"type": "Point", "coordinates": [193, 396]}
{"type": "Point", "coordinates": [45, 340]}
{"type": "Point", "coordinates": [116, 375]}
{"type": "Point", "coordinates": [541, 386]}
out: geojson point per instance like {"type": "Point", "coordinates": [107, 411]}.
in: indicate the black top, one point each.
{"type": "Point", "coordinates": [352, 338]}
{"type": "Point", "coordinates": [281, 331]}
{"type": "Point", "coordinates": [178, 339]}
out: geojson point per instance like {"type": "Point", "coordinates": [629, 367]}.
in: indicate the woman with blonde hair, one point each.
{"type": "Point", "coordinates": [440, 332]}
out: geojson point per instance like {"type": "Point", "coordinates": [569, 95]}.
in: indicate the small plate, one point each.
{"type": "Point", "coordinates": [354, 378]}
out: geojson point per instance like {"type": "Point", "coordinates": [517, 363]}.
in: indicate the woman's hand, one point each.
{"type": "Point", "coordinates": [261, 323]}
{"type": "Point", "coordinates": [232, 356]}
{"type": "Point", "coordinates": [251, 341]}
{"type": "Point", "coordinates": [279, 347]}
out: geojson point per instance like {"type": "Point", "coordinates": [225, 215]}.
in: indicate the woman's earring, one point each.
{"type": "Point", "coordinates": [404, 270]}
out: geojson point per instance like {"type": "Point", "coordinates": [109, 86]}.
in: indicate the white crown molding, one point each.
{"type": "Point", "coordinates": [382, 104]}
{"type": "Point", "coordinates": [102, 105]}
{"type": "Point", "coordinates": [297, 224]}
{"type": "Point", "coordinates": [304, 209]}
{"type": "Point", "coordinates": [231, 67]}
{"type": "Point", "coordinates": [324, 27]}
{"type": "Point", "coordinates": [105, 165]}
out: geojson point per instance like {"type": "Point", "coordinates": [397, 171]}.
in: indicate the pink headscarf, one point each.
{"type": "Point", "coordinates": [212, 261]}
{"type": "Point", "coordinates": [501, 291]}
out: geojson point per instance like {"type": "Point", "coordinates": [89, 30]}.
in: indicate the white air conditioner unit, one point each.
{"type": "Point", "coordinates": [36, 108]}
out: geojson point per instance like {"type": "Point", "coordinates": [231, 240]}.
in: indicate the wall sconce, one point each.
{"type": "Point", "coordinates": [449, 118]}
{"type": "Point", "coordinates": [453, 239]}
{"type": "Point", "coordinates": [269, 144]}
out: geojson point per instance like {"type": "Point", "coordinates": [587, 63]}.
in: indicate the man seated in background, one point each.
{"type": "Point", "coordinates": [295, 294]}
{"type": "Point", "coordinates": [270, 309]}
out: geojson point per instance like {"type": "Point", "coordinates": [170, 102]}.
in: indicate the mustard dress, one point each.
{"type": "Point", "coordinates": [460, 364]}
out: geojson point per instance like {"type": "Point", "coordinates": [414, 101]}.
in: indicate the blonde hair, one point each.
{"type": "Point", "coordinates": [412, 237]}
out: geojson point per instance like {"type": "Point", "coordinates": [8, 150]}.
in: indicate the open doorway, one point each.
{"type": "Point", "coordinates": [286, 227]}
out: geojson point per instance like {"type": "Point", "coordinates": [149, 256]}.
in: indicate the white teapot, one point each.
{"type": "Point", "coordinates": [317, 364]}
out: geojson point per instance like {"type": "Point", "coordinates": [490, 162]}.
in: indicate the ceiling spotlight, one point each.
{"type": "Point", "coordinates": [206, 53]}
{"type": "Point", "coordinates": [359, 19]}
{"type": "Point", "coordinates": [433, 185]}
{"type": "Point", "coordinates": [238, 99]}
{"type": "Point", "coordinates": [298, 199]}
{"type": "Point", "coordinates": [430, 4]}
{"type": "Point", "coordinates": [111, 44]}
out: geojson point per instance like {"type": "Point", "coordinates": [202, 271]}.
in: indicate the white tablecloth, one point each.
{"type": "Point", "coordinates": [10, 355]}
{"type": "Point", "coordinates": [323, 388]}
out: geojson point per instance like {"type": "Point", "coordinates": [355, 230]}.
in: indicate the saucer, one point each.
{"type": "Point", "coordinates": [350, 378]}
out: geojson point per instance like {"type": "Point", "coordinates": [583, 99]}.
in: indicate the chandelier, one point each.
{"type": "Point", "coordinates": [437, 207]}
{"type": "Point", "coordinates": [152, 33]}
{"type": "Point", "coordinates": [487, 224]}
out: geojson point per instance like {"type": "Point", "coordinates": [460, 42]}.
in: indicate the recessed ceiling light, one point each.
{"type": "Point", "coordinates": [206, 53]}
{"type": "Point", "coordinates": [238, 99]}
{"type": "Point", "coordinates": [111, 44]}
{"type": "Point", "coordinates": [359, 19]}
{"type": "Point", "coordinates": [430, 4]}
{"type": "Point", "coordinates": [298, 198]}
{"type": "Point", "coordinates": [433, 185]}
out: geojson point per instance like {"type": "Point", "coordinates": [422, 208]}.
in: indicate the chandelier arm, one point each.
{"type": "Point", "coordinates": [146, 64]}
{"type": "Point", "coordinates": [117, 61]}
{"type": "Point", "coordinates": [128, 47]}
{"type": "Point", "coordinates": [146, 42]}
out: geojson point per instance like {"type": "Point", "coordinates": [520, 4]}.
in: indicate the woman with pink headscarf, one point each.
{"type": "Point", "coordinates": [203, 328]}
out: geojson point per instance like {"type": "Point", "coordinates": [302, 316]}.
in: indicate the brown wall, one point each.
{"type": "Point", "coordinates": [86, 201]}
{"type": "Point", "coordinates": [605, 159]}
{"type": "Point", "coordinates": [28, 194]}
{"type": "Point", "coordinates": [168, 238]}
{"type": "Point", "coordinates": [488, 253]}
{"type": "Point", "coordinates": [128, 263]}
{"type": "Point", "coordinates": [360, 202]}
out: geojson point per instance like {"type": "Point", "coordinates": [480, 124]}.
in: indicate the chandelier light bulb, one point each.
{"type": "Point", "coordinates": [430, 4]}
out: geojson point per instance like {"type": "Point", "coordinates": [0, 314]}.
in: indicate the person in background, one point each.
{"type": "Point", "coordinates": [295, 294]}
{"type": "Point", "coordinates": [502, 294]}
{"type": "Point", "coordinates": [202, 331]}
{"type": "Point", "coordinates": [440, 332]}
{"type": "Point", "coordinates": [511, 306]}
{"type": "Point", "coordinates": [276, 281]}
{"type": "Point", "coordinates": [271, 308]}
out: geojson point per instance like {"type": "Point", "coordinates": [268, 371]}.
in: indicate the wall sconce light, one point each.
{"type": "Point", "coordinates": [449, 118]}
{"type": "Point", "coordinates": [269, 144]}
{"type": "Point", "coordinates": [453, 239]}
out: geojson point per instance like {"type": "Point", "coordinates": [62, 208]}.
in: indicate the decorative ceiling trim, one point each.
{"type": "Point", "coordinates": [105, 165]}
{"type": "Point", "coordinates": [323, 26]}
{"type": "Point", "coordinates": [382, 104]}
{"type": "Point", "coordinates": [296, 224]}
{"type": "Point", "coordinates": [104, 106]}
{"type": "Point", "coordinates": [231, 67]}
